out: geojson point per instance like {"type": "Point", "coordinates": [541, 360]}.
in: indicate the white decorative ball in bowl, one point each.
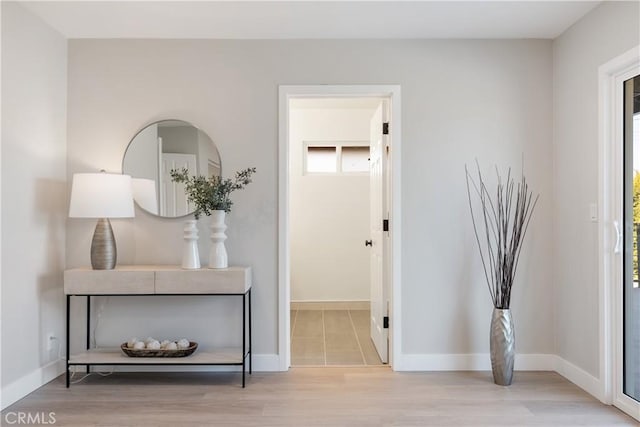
{"type": "Point", "coordinates": [152, 347]}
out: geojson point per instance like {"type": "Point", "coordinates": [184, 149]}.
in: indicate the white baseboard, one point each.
{"type": "Point", "coordinates": [581, 378]}
{"type": "Point", "coordinates": [30, 382]}
{"type": "Point", "coordinates": [331, 305]}
{"type": "Point", "coordinates": [471, 362]}
{"type": "Point", "coordinates": [261, 363]}
{"type": "Point", "coordinates": [443, 362]}
{"type": "Point", "coordinates": [266, 362]}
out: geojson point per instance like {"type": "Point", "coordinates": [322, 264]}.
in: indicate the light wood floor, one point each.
{"type": "Point", "coordinates": [332, 338]}
{"type": "Point", "coordinates": [321, 397]}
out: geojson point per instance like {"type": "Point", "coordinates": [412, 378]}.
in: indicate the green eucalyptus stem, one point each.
{"type": "Point", "coordinates": [211, 193]}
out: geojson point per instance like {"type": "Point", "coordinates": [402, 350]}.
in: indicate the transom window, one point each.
{"type": "Point", "coordinates": [336, 158]}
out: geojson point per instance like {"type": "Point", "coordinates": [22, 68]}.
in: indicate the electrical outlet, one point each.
{"type": "Point", "coordinates": [51, 338]}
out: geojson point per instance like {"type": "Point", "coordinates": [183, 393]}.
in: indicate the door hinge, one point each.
{"type": "Point", "coordinates": [385, 225]}
{"type": "Point", "coordinates": [385, 128]}
{"type": "Point", "coordinates": [385, 322]}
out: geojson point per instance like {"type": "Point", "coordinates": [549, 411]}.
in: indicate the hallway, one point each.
{"type": "Point", "coordinates": [331, 338]}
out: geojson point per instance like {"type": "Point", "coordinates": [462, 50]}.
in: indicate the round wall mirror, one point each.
{"type": "Point", "coordinates": [154, 152]}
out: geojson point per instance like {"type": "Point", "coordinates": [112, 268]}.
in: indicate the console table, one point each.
{"type": "Point", "coordinates": [150, 280]}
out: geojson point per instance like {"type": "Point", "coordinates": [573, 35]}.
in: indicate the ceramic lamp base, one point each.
{"type": "Point", "coordinates": [103, 246]}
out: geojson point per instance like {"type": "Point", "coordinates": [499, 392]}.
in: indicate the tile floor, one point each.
{"type": "Point", "coordinates": [331, 338]}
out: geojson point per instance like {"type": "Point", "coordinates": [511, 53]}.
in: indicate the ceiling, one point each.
{"type": "Point", "coordinates": [310, 19]}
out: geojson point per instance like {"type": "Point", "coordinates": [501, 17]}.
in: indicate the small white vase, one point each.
{"type": "Point", "coordinates": [218, 253]}
{"type": "Point", "coordinates": [190, 256]}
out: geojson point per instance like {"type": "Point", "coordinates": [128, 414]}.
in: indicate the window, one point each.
{"type": "Point", "coordinates": [322, 159]}
{"type": "Point", "coordinates": [344, 158]}
{"type": "Point", "coordinates": [355, 159]}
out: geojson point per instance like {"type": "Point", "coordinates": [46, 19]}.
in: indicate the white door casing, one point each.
{"type": "Point", "coordinates": [377, 181]}
{"type": "Point", "coordinates": [393, 255]}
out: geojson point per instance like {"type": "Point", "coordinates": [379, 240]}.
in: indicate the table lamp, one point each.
{"type": "Point", "coordinates": [103, 196]}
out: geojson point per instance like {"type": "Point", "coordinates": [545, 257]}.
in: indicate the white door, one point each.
{"type": "Point", "coordinates": [379, 334]}
{"type": "Point", "coordinates": [627, 290]}
{"type": "Point", "coordinates": [173, 198]}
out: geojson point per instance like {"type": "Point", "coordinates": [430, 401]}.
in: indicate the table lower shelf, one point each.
{"type": "Point", "coordinates": [115, 356]}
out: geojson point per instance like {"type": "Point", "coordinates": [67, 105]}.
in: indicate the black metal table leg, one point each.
{"type": "Point", "coordinates": [88, 345]}
{"type": "Point", "coordinates": [244, 335]}
{"type": "Point", "coordinates": [250, 344]}
{"type": "Point", "coordinates": [67, 339]}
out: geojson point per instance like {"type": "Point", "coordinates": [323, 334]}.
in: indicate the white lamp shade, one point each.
{"type": "Point", "coordinates": [145, 195]}
{"type": "Point", "coordinates": [101, 195]}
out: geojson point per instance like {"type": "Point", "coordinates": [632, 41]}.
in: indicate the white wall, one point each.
{"type": "Point", "coordinates": [34, 199]}
{"type": "Point", "coordinates": [329, 219]}
{"type": "Point", "coordinates": [606, 32]}
{"type": "Point", "coordinates": [460, 100]}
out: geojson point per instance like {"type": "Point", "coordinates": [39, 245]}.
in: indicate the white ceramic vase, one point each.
{"type": "Point", "coordinates": [190, 255]}
{"type": "Point", "coordinates": [218, 253]}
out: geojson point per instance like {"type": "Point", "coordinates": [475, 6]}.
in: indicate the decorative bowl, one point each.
{"type": "Point", "coordinates": [181, 352]}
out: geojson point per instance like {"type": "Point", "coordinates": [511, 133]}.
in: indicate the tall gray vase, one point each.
{"type": "Point", "coordinates": [502, 344]}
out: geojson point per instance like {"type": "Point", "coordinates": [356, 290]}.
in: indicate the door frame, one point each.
{"type": "Point", "coordinates": [611, 146]}
{"type": "Point", "coordinates": [286, 93]}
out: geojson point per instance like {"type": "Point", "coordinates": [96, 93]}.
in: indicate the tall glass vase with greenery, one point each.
{"type": "Point", "coordinates": [211, 196]}
{"type": "Point", "coordinates": [500, 225]}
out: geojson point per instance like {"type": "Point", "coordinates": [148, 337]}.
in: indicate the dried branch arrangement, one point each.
{"type": "Point", "coordinates": [500, 226]}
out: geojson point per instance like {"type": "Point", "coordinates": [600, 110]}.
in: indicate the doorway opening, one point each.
{"type": "Point", "coordinates": [339, 225]}
{"type": "Point", "coordinates": [330, 207]}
